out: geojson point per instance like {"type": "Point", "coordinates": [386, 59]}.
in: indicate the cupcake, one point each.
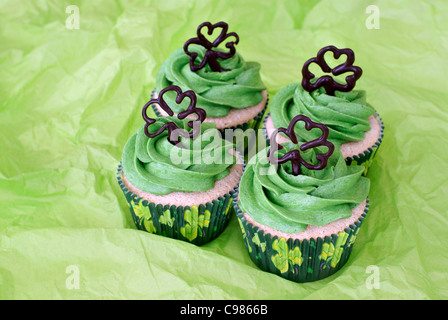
{"type": "Point", "coordinates": [177, 183]}
{"type": "Point", "coordinates": [227, 87]}
{"type": "Point", "coordinates": [355, 127]}
{"type": "Point", "coordinates": [300, 206]}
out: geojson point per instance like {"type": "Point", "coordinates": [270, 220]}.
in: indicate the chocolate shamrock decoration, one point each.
{"type": "Point", "coordinates": [294, 155]}
{"type": "Point", "coordinates": [327, 81]}
{"type": "Point", "coordinates": [182, 115]}
{"type": "Point", "coordinates": [211, 56]}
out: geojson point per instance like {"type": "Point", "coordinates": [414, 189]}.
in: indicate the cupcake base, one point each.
{"type": "Point", "coordinates": [299, 259]}
{"type": "Point", "coordinates": [355, 153]}
{"type": "Point", "coordinates": [196, 224]}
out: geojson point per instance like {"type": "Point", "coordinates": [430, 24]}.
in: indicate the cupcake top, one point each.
{"type": "Point", "coordinates": [171, 154]}
{"type": "Point", "coordinates": [221, 79]}
{"type": "Point", "coordinates": [326, 100]}
{"type": "Point", "coordinates": [156, 166]}
{"type": "Point", "coordinates": [346, 113]}
{"type": "Point", "coordinates": [275, 196]}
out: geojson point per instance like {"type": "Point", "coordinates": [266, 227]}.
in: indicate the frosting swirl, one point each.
{"type": "Point", "coordinates": [289, 203]}
{"type": "Point", "coordinates": [345, 114]}
{"type": "Point", "coordinates": [148, 162]}
{"type": "Point", "coordinates": [217, 92]}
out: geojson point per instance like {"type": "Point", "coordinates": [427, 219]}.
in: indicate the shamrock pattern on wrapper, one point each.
{"type": "Point", "coordinates": [143, 216]}
{"type": "Point", "coordinates": [285, 258]}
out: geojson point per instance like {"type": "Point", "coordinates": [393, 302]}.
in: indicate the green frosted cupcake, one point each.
{"type": "Point", "coordinates": [182, 189]}
{"type": "Point", "coordinates": [228, 88]}
{"type": "Point", "coordinates": [301, 227]}
{"type": "Point", "coordinates": [355, 126]}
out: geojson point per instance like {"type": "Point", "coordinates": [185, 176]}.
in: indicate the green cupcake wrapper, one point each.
{"type": "Point", "coordinates": [296, 260]}
{"type": "Point", "coordinates": [196, 224]}
{"type": "Point", "coordinates": [364, 158]}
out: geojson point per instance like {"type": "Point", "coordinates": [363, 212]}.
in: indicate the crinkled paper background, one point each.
{"type": "Point", "coordinates": [70, 99]}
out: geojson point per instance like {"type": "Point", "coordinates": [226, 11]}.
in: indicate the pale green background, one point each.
{"type": "Point", "coordinates": [70, 99]}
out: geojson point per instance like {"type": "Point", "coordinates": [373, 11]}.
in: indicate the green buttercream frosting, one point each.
{"type": "Point", "coordinates": [289, 203]}
{"type": "Point", "coordinates": [217, 92]}
{"type": "Point", "coordinates": [156, 166]}
{"type": "Point", "coordinates": [345, 114]}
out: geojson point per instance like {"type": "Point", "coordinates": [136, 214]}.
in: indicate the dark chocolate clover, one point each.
{"type": "Point", "coordinates": [211, 56]}
{"type": "Point", "coordinates": [171, 126]}
{"type": "Point", "coordinates": [327, 81]}
{"type": "Point", "coordinates": [294, 155]}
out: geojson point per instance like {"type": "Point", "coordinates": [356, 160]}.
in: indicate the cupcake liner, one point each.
{"type": "Point", "coordinates": [364, 158]}
{"type": "Point", "coordinates": [299, 260]}
{"type": "Point", "coordinates": [194, 224]}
